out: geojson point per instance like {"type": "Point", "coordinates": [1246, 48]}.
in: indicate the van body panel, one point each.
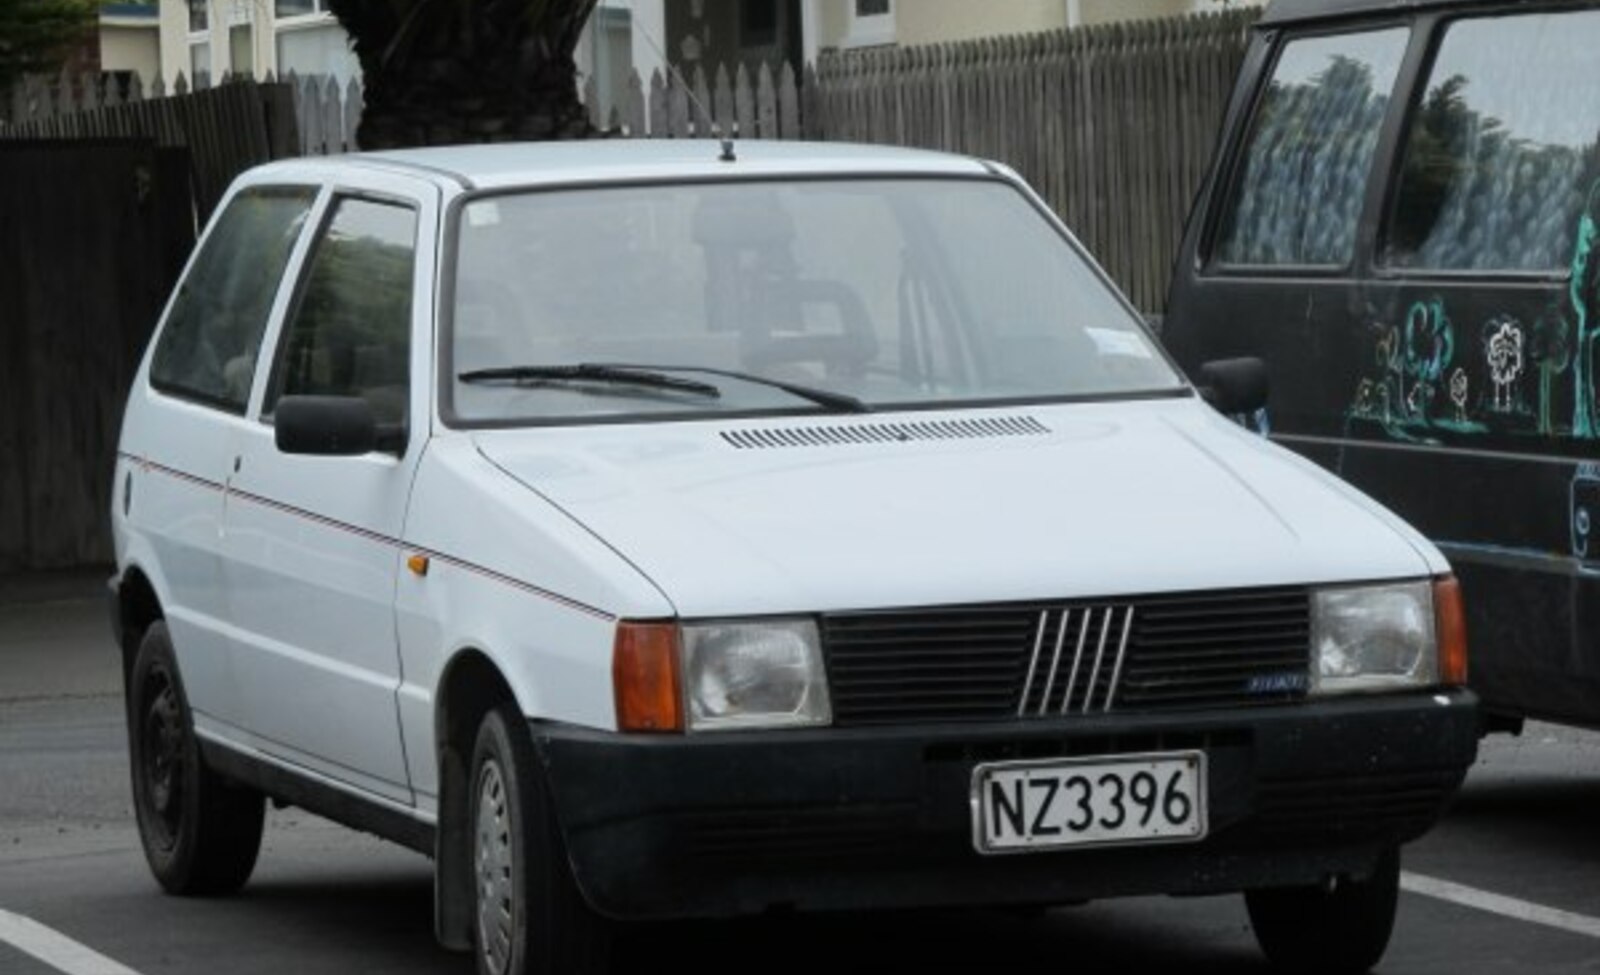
{"type": "Point", "coordinates": [1460, 399]}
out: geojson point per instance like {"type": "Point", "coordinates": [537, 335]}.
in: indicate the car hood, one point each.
{"type": "Point", "coordinates": [816, 514]}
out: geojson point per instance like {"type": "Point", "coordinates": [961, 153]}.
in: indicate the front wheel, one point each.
{"type": "Point", "coordinates": [530, 918]}
{"type": "Point", "coordinates": [200, 833]}
{"type": "Point", "coordinates": [1317, 931]}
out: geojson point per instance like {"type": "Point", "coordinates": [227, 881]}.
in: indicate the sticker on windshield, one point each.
{"type": "Point", "coordinates": [1115, 342]}
{"type": "Point", "coordinates": [484, 213]}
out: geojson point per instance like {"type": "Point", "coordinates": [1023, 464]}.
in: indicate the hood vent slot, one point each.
{"type": "Point", "coordinates": [899, 432]}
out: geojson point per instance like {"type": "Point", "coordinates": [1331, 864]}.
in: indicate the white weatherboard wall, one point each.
{"type": "Point", "coordinates": [309, 44]}
{"type": "Point", "coordinates": [940, 21]}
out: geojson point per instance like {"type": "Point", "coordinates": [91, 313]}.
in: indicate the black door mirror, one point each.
{"type": "Point", "coordinates": [331, 426]}
{"type": "Point", "coordinates": [1234, 386]}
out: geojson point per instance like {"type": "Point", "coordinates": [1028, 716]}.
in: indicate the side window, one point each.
{"type": "Point", "coordinates": [1304, 176]}
{"type": "Point", "coordinates": [1501, 155]}
{"type": "Point", "coordinates": [208, 347]}
{"type": "Point", "coordinates": [350, 333]}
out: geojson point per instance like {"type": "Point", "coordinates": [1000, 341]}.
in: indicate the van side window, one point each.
{"type": "Point", "coordinates": [1304, 175]}
{"type": "Point", "coordinates": [209, 345]}
{"type": "Point", "coordinates": [350, 332]}
{"type": "Point", "coordinates": [1502, 149]}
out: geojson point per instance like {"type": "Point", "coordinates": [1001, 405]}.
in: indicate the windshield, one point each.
{"type": "Point", "coordinates": [907, 292]}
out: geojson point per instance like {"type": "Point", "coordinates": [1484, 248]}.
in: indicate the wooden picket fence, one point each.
{"type": "Point", "coordinates": [766, 105]}
{"type": "Point", "coordinates": [226, 129]}
{"type": "Point", "coordinates": [1114, 125]}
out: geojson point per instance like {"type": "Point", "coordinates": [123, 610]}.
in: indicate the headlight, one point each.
{"type": "Point", "coordinates": [754, 675]}
{"type": "Point", "coordinates": [1373, 638]}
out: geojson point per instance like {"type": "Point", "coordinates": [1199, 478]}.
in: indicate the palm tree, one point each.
{"type": "Point", "coordinates": [35, 35]}
{"type": "Point", "coordinates": [438, 72]}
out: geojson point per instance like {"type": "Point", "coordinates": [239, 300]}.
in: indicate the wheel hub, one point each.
{"type": "Point", "coordinates": [492, 856]}
{"type": "Point", "coordinates": [163, 742]}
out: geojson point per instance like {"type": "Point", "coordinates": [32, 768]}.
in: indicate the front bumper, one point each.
{"type": "Point", "coordinates": [730, 824]}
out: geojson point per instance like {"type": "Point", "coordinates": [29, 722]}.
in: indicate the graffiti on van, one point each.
{"type": "Point", "coordinates": [1502, 344]}
{"type": "Point", "coordinates": [1416, 388]}
{"type": "Point", "coordinates": [1419, 389]}
{"type": "Point", "coordinates": [1584, 285]}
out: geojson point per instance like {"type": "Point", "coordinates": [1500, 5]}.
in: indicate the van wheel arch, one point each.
{"type": "Point", "coordinates": [470, 688]}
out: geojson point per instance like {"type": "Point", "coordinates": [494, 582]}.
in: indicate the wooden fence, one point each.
{"type": "Point", "coordinates": [94, 231]}
{"type": "Point", "coordinates": [1115, 125]}
{"type": "Point", "coordinates": [227, 129]}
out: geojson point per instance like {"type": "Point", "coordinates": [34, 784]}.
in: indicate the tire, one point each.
{"type": "Point", "coordinates": [200, 833]}
{"type": "Point", "coordinates": [529, 917]}
{"type": "Point", "coordinates": [1319, 932]}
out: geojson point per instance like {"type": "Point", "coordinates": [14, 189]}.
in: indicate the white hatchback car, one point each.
{"type": "Point", "coordinates": [650, 531]}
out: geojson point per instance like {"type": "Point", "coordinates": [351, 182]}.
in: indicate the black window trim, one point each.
{"type": "Point", "coordinates": [336, 194]}
{"type": "Point", "coordinates": [1433, 27]}
{"type": "Point", "coordinates": [183, 394]}
{"type": "Point", "coordinates": [1278, 40]}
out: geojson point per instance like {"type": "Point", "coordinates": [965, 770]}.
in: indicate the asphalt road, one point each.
{"type": "Point", "coordinates": [1507, 884]}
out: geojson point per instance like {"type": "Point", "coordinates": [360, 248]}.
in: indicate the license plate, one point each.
{"type": "Point", "coordinates": [1018, 807]}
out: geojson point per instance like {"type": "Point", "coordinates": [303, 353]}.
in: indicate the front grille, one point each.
{"type": "Point", "coordinates": [790, 834]}
{"type": "Point", "coordinates": [1150, 653]}
{"type": "Point", "coordinates": [1404, 803]}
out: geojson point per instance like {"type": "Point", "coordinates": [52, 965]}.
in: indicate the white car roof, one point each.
{"type": "Point", "coordinates": [503, 165]}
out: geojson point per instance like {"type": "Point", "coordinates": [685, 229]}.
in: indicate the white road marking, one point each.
{"type": "Point", "coordinates": [55, 949]}
{"type": "Point", "coordinates": [1511, 907]}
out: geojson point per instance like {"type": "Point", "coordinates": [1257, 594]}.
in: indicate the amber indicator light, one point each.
{"type": "Point", "coordinates": [418, 564]}
{"type": "Point", "coordinates": [644, 672]}
{"type": "Point", "coordinates": [1450, 623]}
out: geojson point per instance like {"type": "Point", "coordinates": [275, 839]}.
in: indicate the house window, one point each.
{"type": "Point", "coordinates": [317, 49]}
{"type": "Point", "coordinates": [758, 23]}
{"type": "Point", "coordinates": [199, 66]}
{"type": "Point", "coordinates": [241, 50]}
{"type": "Point", "coordinates": [298, 8]}
{"type": "Point", "coordinates": [199, 16]}
{"type": "Point", "coordinates": [871, 23]}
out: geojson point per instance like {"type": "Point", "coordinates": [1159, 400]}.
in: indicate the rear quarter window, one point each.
{"type": "Point", "coordinates": [1303, 178]}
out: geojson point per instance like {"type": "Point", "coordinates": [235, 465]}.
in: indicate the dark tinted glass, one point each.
{"type": "Point", "coordinates": [1305, 173]}
{"type": "Point", "coordinates": [210, 341]}
{"type": "Point", "coordinates": [351, 332]}
{"type": "Point", "coordinates": [1501, 153]}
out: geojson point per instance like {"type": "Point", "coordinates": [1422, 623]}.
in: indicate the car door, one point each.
{"type": "Point", "coordinates": [312, 543]}
{"type": "Point", "coordinates": [182, 427]}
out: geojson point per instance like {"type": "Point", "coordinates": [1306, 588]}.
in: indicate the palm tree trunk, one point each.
{"type": "Point", "coordinates": [441, 72]}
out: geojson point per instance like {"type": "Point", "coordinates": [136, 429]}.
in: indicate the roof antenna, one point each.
{"type": "Point", "coordinates": [728, 155]}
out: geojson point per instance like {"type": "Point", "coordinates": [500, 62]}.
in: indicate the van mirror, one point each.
{"type": "Point", "coordinates": [1234, 386]}
{"type": "Point", "coordinates": [330, 426]}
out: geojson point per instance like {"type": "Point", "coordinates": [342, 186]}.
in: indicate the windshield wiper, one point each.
{"type": "Point", "coordinates": [837, 402]}
{"type": "Point", "coordinates": [590, 372]}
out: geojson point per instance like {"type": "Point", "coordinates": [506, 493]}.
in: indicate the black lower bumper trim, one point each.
{"type": "Point", "coordinates": [721, 825]}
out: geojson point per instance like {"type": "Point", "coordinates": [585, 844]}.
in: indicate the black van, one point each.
{"type": "Point", "coordinates": [1402, 221]}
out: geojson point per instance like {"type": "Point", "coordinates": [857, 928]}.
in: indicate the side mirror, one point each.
{"type": "Point", "coordinates": [331, 426]}
{"type": "Point", "coordinates": [1234, 386]}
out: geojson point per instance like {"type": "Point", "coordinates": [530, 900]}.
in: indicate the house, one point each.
{"type": "Point", "coordinates": [865, 23]}
{"type": "Point", "coordinates": [130, 40]}
{"type": "Point", "coordinates": [629, 35]}
{"type": "Point", "coordinates": [205, 39]}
